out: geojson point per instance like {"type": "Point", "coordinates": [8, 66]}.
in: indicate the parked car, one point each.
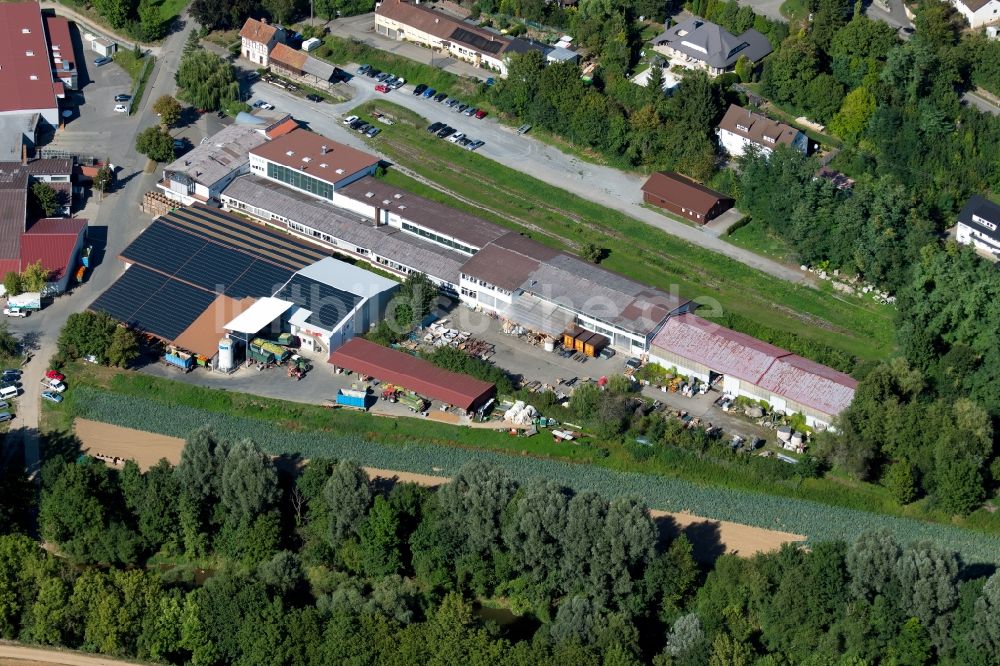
{"type": "Point", "coordinates": [433, 128]}
{"type": "Point", "coordinates": [4, 404]}
{"type": "Point", "coordinates": [364, 69]}
{"type": "Point", "coordinates": [10, 376]}
{"type": "Point", "coordinates": [52, 396]}
{"type": "Point", "coordinates": [475, 145]}
{"type": "Point", "coordinates": [607, 353]}
{"type": "Point", "coordinates": [419, 90]}
{"type": "Point", "coordinates": [440, 97]}
{"type": "Point", "coordinates": [122, 97]}
{"type": "Point", "coordinates": [5, 416]}
{"type": "Point", "coordinates": [451, 102]}
{"type": "Point", "coordinates": [455, 137]}
{"type": "Point", "coordinates": [363, 127]}
{"type": "Point", "coordinates": [55, 385]}
{"type": "Point", "coordinates": [446, 132]}
{"type": "Point", "coordinates": [461, 107]}
{"type": "Point", "coordinates": [372, 131]}
{"type": "Point", "coordinates": [633, 363]}
{"type": "Point", "coordinates": [372, 73]}
{"type": "Point", "coordinates": [464, 142]}
{"type": "Point", "coordinates": [261, 104]}
{"type": "Point", "coordinates": [349, 119]}
{"type": "Point", "coordinates": [100, 62]}
{"type": "Point", "coordinates": [481, 113]}
{"type": "Point", "coordinates": [470, 111]}
{"type": "Point", "coordinates": [54, 374]}
{"type": "Point", "coordinates": [313, 97]}
{"type": "Point", "coordinates": [121, 108]}
{"type": "Point", "coordinates": [384, 76]}
{"type": "Point", "coordinates": [15, 312]}
{"type": "Point", "coordinates": [356, 123]}
{"type": "Point", "coordinates": [491, 81]}
{"type": "Point", "coordinates": [398, 83]}
{"type": "Point", "coordinates": [523, 129]}
{"type": "Point", "coordinates": [430, 92]}
{"type": "Point", "coordinates": [382, 88]}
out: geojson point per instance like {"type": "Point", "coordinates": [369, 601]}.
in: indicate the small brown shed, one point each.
{"type": "Point", "coordinates": [685, 197]}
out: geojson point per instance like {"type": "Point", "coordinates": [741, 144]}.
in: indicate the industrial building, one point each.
{"type": "Point", "coordinates": [748, 367]}
{"type": "Point", "coordinates": [29, 63]}
{"type": "Point", "coordinates": [407, 371]}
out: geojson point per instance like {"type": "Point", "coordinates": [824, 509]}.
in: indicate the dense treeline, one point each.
{"type": "Point", "coordinates": [328, 567]}
{"type": "Point", "coordinates": [141, 19]}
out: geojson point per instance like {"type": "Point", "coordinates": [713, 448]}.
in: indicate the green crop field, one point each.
{"type": "Point", "coordinates": [818, 317]}
{"type": "Point", "coordinates": [665, 478]}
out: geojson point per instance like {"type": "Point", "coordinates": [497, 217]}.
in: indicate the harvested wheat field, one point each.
{"type": "Point", "coordinates": [711, 538]}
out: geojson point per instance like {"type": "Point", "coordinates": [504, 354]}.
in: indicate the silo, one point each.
{"type": "Point", "coordinates": [225, 354]}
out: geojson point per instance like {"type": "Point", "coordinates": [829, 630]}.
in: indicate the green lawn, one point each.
{"type": "Point", "coordinates": [139, 69]}
{"type": "Point", "coordinates": [555, 217]}
{"type": "Point", "coordinates": [754, 237]}
{"type": "Point", "coordinates": [665, 477]}
{"type": "Point", "coordinates": [171, 9]}
{"type": "Point", "coordinates": [796, 11]}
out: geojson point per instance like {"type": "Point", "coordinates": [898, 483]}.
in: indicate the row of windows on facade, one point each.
{"type": "Point", "coordinates": [441, 240]}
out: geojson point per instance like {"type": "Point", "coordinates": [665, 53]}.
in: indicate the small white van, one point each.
{"type": "Point", "coordinates": [8, 392]}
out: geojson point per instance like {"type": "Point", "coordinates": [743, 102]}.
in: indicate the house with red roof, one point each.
{"type": "Point", "coordinates": [745, 366]}
{"type": "Point", "coordinates": [258, 38]}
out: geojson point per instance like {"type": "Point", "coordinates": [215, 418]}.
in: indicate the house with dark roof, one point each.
{"type": "Point", "coordinates": [978, 12]}
{"type": "Point", "coordinates": [414, 22]}
{"type": "Point", "coordinates": [258, 38]}
{"type": "Point", "coordinates": [744, 366]}
{"type": "Point", "coordinates": [685, 197]}
{"type": "Point", "coordinates": [741, 128]}
{"type": "Point", "coordinates": [709, 46]}
{"type": "Point", "coordinates": [978, 224]}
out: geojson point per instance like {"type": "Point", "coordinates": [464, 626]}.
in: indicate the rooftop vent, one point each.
{"type": "Point", "coordinates": [29, 53]}
{"type": "Point", "coordinates": [324, 149]}
{"type": "Point", "coordinates": [369, 195]}
{"type": "Point", "coordinates": [386, 202]}
{"type": "Point", "coordinates": [340, 171]}
{"type": "Point", "coordinates": [290, 153]}
{"type": "Point", "coordinates": [324, 165]}
{"type": "Point", "coordinates": [307, 159]}
{"type": "Point", "coordinates": [402, 207]}
{"type": "Point", "coordinates": [25, 31]}
{"type": "Point", "coordinates": [33, 77]}
{"type": "Point", "coordinates": [397, 195]}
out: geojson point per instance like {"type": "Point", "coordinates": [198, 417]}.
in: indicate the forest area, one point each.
{"type": "Point", "coordinates": [227, 559]}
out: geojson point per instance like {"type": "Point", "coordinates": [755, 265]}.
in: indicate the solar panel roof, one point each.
{"type": "Point", "coordinates": [153, 302]}
{"type": "Point", "coordinates": [328, 305]}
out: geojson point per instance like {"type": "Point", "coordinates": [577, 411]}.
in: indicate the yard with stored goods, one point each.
{"type": "Point", "coordinates": [664, 478]}
{"type": "Point", "coordinates": [750, 300]}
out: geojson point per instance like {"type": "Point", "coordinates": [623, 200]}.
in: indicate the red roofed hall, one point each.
{"type": "Point", "coordinates": [56, 242]}
{"type": "Point", "coordinates": [683, 196]}
{"type": "Point", "coordinates": [388, 365]}
{"type": "Point", "coordinates": [745, 366]}
{"type": "Point", "coordinates": [25, 66]}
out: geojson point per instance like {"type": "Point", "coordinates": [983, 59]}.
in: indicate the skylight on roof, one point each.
{"type": "Point", "coordinates": [29, 53]}
{"type": "Point", "coordinates": [25, 31]}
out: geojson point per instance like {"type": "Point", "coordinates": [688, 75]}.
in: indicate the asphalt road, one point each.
{"type": "Point", "coordinates": [606, 186]}
{"type": "Point", "coordinates": [981, 103]}
{"type": "Point", "coordinates": [114, 222]}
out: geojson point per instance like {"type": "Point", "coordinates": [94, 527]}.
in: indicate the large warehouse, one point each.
{"type": "Point", "coordinates": [750, 368]}
{"type": "Point", "coordinates": [428, 380]}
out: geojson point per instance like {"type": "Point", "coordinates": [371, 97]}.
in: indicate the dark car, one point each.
{"type": "Point", "coordinates": [364, 127]}
{"type": "Point", "coordinates": [430, 92]}
{"type": "Point", "coordinates": [470, 111]}
{"type": "Point", "coordinates": [122, 97]}
{"type": "Point", "coordinates": [356, 124]}
{"type": "Point", "coordinates": [446, 132]}
{"type": "Point", "coordinates": [435, 127]}
{"type": "Point", "coordinates": [372, 131]}
{"type": "Point", "coordinates": [364, 69]}
{"type": "Point", "coordinates": [476, 144]}
{"type": "Point", "coordinates": [102, 61]}
{"type": "Point", "coordinates": [313, 97]}
{"type": "Point", "coordinates": [440, 97]}
{"type": "Point", "coordinates": [451, 102]}
{"type": "Point", "coordinates": [384, 76]}
{"type": "Point", "coordinates": [373, 73]}
{"type": "Point", "coordinates": [419, 90]}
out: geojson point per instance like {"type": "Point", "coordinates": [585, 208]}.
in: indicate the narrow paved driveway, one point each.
{"type": "Point", "coordinates": [603, 185]}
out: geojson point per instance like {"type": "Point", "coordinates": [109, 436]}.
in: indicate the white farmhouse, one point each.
{"type": "Point", "coordinates": [741, 127]}
{"type": "Point", "coordinates": [978, 12]}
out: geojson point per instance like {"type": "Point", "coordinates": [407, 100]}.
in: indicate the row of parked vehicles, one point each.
{"type": "Point", "coordinates": [385, 80]}
{"type": "Point", "coordinates": [454, 104]}
{"type": "Point", "coordinates": [362, 126]}
{"type": "Point", "coordinates": [445, 131]}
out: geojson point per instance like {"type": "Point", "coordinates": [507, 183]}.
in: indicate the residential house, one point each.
{"type": "Point", "coordinates": [412, 22]}
{"type": "Point", "coordinates": [258, 38]}
{"type": "Point", "coordinates": [978, 12]}
{"type": "Point", "coordinates": [685, 197]}
{"type": "Point", "coordinates": [741, 128]}
{"type": "Point", "coordinates": [709, 46]}
{"type": "Point", "coordinates": [977, 225]}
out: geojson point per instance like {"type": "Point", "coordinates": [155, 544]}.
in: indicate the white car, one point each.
{"type": "Point", "coordinates": [121, 108]}
{"type": "Point", "coordinates": [455, 137]}
{"type": "Point", "coordinates": [350, 119]}
{"type": "Point", "coordinates": [55, 385]}
{"type": "Point", "coordinates": [15, 312]}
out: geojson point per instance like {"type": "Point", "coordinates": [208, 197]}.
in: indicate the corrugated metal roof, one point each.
{"type": "Point", "coordinates": [52, 247]}
{"type": "Point", "coordinates": [720, 349]}
{"type": "Point", "coordinates": [58, 225]}
{"type": "Point", "coordinates": [360, 355]}
{"type": "Point", "coordinates": [13, 206]}
{"type": "Point", "coordinates": [810, 383]}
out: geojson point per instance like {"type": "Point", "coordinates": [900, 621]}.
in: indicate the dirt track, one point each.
{"type": "Point", "coordinates": [12, 654]}
{"type": "Point", "coordinates": [709, 537]}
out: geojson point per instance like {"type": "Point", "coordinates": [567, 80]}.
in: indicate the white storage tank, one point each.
{"type": "Point", "coordinates": [225, 354]}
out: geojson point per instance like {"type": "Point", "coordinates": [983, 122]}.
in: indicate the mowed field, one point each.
{"type": "Point", "coordinates": [460, 178]}
{"type": "Point", "coordinates": [146, 449]}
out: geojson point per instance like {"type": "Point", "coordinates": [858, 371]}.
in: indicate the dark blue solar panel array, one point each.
{"type": "Point", "coordinates": [328, 304]}
{"type": "Point", "coordinates": [153, 303]}
{"type": "Point", "coordinates": [205, 264]}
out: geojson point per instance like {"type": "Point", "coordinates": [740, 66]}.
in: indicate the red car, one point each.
{"type": "Point", "coordinates": [382, 88]}
{"type": "Point", "coordinates": [55, 374]}
{"type": "Point", "coordinates": [480, 114]}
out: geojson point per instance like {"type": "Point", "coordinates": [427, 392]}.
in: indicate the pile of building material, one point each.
{"type": "Point", "coordinates": [520, 414]}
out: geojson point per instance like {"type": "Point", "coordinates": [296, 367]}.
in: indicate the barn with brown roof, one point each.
{"type": "Point", "coordinates": [425, 379]}
{"type": "Point", "coordinates": [685, 197]}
